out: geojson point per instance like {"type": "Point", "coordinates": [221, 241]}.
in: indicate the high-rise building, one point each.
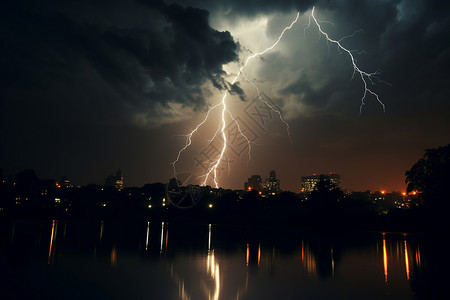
{"type": "Point", "coordinates": [115, 180]}
{"type": "Point", "coordinates": [309, 182]}
{"type": "Point", "coordinates": [65, 183]}
{"type": "Point", "coordinates": [272, 184]}
{"type": "Point", "coordinates": [253, 183]}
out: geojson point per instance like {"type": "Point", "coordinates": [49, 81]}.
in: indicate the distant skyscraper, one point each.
{"type": "Point", "coordinates": [65, 182]}
{"type": "Point", "coordinates": [272, 184]}
{"type": "Point", "coordinates": [253, 183]}
{"type": "Point", "coordinates": [309, 182]}
{"type": "Point", "coordinates": [115, 180]}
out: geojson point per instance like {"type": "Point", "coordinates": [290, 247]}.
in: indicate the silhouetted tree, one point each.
{"type": "Point", "coordinates": [326, 194]}
{"type": "Point", "coordinates": [430, 176]}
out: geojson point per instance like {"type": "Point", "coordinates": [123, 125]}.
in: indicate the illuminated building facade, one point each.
{"type": "Point", "coordinates": [115, 180]}
{"type": "Point", "coordinates": [254, 183]}
{"type": "Point", "coordinates": [65, 183]}
{"type": "Point", "coordinates": [309, 182]}
{"type": "Point", "coordinates": [272, 184]}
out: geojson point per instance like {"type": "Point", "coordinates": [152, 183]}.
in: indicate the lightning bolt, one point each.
{"type": "Point", "coordinates": [212, 170]}
{"type": "Point", "coordinates": [211, 173]}
{"type": "Point", "coordinates": [364, 75]}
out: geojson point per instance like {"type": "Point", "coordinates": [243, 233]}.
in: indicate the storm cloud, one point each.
{"type": "Point", "coordinates": [146, 65]}
{"type": "Point", "coordinates": [87, 87]}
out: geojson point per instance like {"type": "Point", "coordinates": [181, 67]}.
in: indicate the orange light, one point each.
{"type": "Point", "coordinates": [383, 192]}
{"type": "Point", "coordinates": [259, 253]}
{"type": "Point", "coordinates": [113, 256]}
{"type": "Point", "coordinates": [260, 193]}
{"type": "Point", "coordinates": [249, 188]}
{"type": "Point", "coordinates": [385, 259]}
{"type": "Point", "coordinates": [51, 250]}
{"type": "Point", "coordinates": [247, 255]}
{"type": "Point", "coordinates": [414, 193]}
{"type": "Point", "coordinates": [406, 261]}
{"type": "Point", "coordinates": [303, 251]}
{"type": "Point", "coordinates": [404, 193]}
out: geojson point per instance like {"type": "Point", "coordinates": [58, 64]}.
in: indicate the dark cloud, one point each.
{"type": "Point", "coordinates": [77, 76]}
{"type": "Point", "coordinates": [251, 8]}
{"type": "Point", "coordinates": [167, 62]}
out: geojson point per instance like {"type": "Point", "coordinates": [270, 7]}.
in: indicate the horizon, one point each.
{"type": "Point", "coordinates": [125, 185]}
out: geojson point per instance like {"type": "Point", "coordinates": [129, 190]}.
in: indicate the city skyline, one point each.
{"type": "Point", "coordinates": [271, 184]}
{"type": "Point", "coordinates": [89, 88]}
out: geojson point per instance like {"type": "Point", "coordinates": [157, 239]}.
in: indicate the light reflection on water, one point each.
{"type": "Point", "coordinates": [134, 259]}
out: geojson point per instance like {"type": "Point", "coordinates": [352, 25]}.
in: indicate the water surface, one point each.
{"type": "Point", "coordinates": [63, 259]}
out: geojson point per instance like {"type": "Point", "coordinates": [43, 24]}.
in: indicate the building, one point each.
{"type": "Point", "coordinates": [65, 183]}
{"type": "Point", "coordinates": [272, 184]}
{"type": "Point", "coordinates": [308, 183]}
{"type": "Point", "coordinates": [254, 183]}
{"type": "Point", "coordinates": [115, 181]}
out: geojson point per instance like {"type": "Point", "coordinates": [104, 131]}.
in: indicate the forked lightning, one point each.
{"type": "Point", "coordinates": [211, 173]}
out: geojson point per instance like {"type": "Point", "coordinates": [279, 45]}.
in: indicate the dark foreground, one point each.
{"type": "Point", "coordinates": [154, 259]}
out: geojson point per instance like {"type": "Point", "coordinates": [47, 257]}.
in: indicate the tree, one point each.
{"type": "Point", "coordinates": [326, 194]}
{"type": "Point", "coordinates": [430, 176]}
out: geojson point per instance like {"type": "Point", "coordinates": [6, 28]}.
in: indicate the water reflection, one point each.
{"type": "Point", "coordinates": [385, 259]}
{"type": "Point", "coordinates": [209, 237]}
{"type": "Point", "coordinates": [218, 262]}
{"type": "Point", "coordinates": [308, 260]}
{"type": "Point", "coordinates": [113, 255]}
{"type": "Point", "coordinates": [418, 256]}
{"type": "Point", "coordinates": [213, 270]}
{"type": "Point", "coordinates": [147, 235]}
{"type": "Point", "coordinates": [406, 259]}
{"type": "Point", "coordinates": [102, 224]}
{"type": "Point", "coordinates": [51, 249]}
{"type": "Point", "coordinates": [259, 253]}
{"type": "Point", "coordinates": [163, 224]}
{"type": "Point", "coordinates": [247, 257]}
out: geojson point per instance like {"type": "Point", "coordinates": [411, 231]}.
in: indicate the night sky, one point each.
{"type": "Point", "coordinates": [90, 88]}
